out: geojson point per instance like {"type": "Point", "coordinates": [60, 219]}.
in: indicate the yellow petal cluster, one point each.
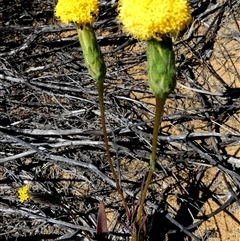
{"type": "Point", "coordinates": [146, 19]}
{"type": "Point", "coordinates": [23, 193]}
{"type": "Point", "coordinates": [79, 12]}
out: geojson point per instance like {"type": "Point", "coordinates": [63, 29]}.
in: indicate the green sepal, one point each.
{"type": "Point", "coordinates": [161, 66]}
{"type": "Point", "coordinates": [92, 54]}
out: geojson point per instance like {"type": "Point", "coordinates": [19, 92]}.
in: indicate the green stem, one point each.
{"type": "Point", "coordinates": [101, 103]}
{"type": "Point", "coordinates": [157, 121]}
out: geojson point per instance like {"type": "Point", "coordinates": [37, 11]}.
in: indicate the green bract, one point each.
{"type": "Point", "coordinates": [161, 67]}
{"type": "Point", "coordinates": [92, 54]}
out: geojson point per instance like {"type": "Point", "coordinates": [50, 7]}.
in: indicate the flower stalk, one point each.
{"type": "Point", "coordinates": [102, 111]}
{"type": "Point", "coordinates": [96, 66]}
{"type": "Point", "coordinates": [162, 81]}
{"type": "Point", "coordinates": [157, 121]}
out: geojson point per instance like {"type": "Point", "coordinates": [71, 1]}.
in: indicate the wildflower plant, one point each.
{"type": "Point", "coordinates": [83, 13]}
{"type": "Point", "coordinates": [158, 22]}
{"type": "Point", "coordinates": [23, 193]}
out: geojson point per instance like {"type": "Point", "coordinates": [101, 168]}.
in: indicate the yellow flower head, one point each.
{"type": "Point", "coordinates": [146, 19]}
{"type": "Point", "coordinates": [79, 12]}
{"type": "Point", "coordinates": [23, 193]}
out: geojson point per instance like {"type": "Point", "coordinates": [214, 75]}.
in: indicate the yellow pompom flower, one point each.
{"type": "Point", "coordinates": [147, 19]}
{"type": "Point", "coordinates": [79, 12]}
{"type": "Point", "coordinates": [23, 193]}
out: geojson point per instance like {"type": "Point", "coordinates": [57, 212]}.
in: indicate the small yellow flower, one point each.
{"type": "Point", "coordinates": [79, 12]}
{"type": "Point", "coordinates": [146, 19]}
{"type": "Point", "coordinates": [23, 193]}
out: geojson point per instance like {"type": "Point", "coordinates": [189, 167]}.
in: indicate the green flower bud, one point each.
{"type": "Point", "coordinates": [161, 66]}
{"type": "Point", "coordinates": [92, 54]}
